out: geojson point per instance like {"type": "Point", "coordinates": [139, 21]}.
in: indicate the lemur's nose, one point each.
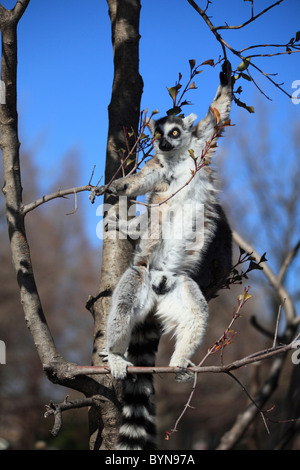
{"type": "Point", "coordinates": [164, 145]}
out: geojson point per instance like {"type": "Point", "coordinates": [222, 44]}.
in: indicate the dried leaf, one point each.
{"type": "Point", "coordinates": [208, 62]}
{"type": "Point", "coordinates": [216, 114]}
{"type": "Point", "coordinates": [192, 154]}
{"type": "Point", "coordinates": [227, 123]}
{"type": "Point", "coordinates": [253, 265]}
{"type": "Point", "coordinates": [173, 91]}
{"type": "Point", "coordinates": [242, 251]}
{"type": "Point", "coordinates": [263, 258]}
{"type": "Point", "coordinates": [192, 63]}
{"type": "Point", "coordinates": [174, 111]}
{"type": "Point", "coordinates": [240, 103]}
{"type": "Point", "coordinates": [246, 77]}
{"type": "Point", "coordinates": [184, 103]}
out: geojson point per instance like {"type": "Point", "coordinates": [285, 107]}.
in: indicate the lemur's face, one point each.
{"type": "Point", "coordinates": [172, 133]}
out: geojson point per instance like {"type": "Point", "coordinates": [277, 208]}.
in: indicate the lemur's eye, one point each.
{"type": "Point", "coordinates": [174, 133]}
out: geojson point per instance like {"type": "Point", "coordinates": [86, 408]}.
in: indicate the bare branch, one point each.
{"type": "Point", "coordinates": [232, 437]}
{"type": "Point", "coordinates": [186, 406]}
{"type": "Point", "coordinates": [272, 278]}
{"type": "Point", "coordinates": [57, 409]}
{"type": "Point", "coordinates": [257, 46]}
{"type": "Point", "coordinates": [225, 45]}
{"type": "Point", "coordinates": [277, 85]}
{"type": "Point", "coordinates": [277, 324]}
{"type": "Point", "coordinates": [14, 15]}
{"type": "Point", "coordinates": [20, 8]}
{"type": "Point", "coordinates": [251, 399]}
{"type": "Point", "coordinates": [211, 27]}
{"type": "Point", "coordinates": [272, 55]}
{"type": "Point", "coordinates": [269, 353]}
{"type": "Point", "coordinates": [287, 262]}
{"type": "Point", "coordinates": [58, 194]}
{"type": "Point", "coordinates": [253, 18]}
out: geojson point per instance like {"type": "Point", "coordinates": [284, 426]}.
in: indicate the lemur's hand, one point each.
{"type": "Point", "coordinates": [225, 75]}
{"type": "Point", "coordinates": [108, 189]}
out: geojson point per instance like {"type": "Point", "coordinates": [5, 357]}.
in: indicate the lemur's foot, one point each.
{"type": "Point", "coordinates": [118, 366]}
{"type": "Point", "coordinates": [103, 354]}
{"type": "Point", "coordinates": [183, 375]}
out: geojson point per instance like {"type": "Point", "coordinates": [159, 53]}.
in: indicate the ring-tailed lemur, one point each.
{"type": "Point", "coordinates": [177, 268]}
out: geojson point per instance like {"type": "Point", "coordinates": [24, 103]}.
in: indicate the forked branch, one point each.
{"type": "Point", "coordinates": [291, 47]}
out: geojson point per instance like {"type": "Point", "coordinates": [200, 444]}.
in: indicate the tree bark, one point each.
{"type": "Point", "coordinates": [12, 189]}
{"type": "Point", "coordinates": [124, 112]}
{"type": "Point", "coordinates": [56, 367]}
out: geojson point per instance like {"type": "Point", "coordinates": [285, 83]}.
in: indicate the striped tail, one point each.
{"type": "Point", "coordinates": [138, 429]}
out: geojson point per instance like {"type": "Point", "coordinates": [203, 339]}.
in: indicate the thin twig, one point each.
{"type": "Point", "coordinates": [277, 324]}
{"type": "Point", "coordinates": [186, 406]}
{"type": "Point", "coordinates": [60, 193]}
{"type": "Point", "coordinates": [56, 410]}
{"type": "Point", "coordinates": [225, 45]}
{"type": "Point", "coordinates": [253, 18]}
{"type": "Point", "coordinates": [251, 399]}
{"type": "Point", "coordinates": [90, 181]}
{"type": "Point", "coordinates": [272, 55]}
{"type": "Point", "coordinates": [76, 205]}
{"type": "Point", "coordinates": [286, 263]}
{"type": "Point", "coordinates": [256, 46]}
{"type": "Point", "coordinates": [271, 276]}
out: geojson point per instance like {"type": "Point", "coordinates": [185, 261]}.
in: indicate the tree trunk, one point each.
{"type": "Point", "coordinates": [124, 112]}
{"type": "Point", "coordinates": [12, 189]}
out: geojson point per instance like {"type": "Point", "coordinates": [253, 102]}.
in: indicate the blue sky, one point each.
{"type": "Point", "coordinates": [65, 72]}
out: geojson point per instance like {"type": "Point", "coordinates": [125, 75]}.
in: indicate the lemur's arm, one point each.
{"type": "Point", "coordinates": [139, 183]}
{"type": "Point", "coordinates": [222, 103]}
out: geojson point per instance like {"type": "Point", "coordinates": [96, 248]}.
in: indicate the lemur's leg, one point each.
{"type": "Point", "coordinates": [132, 300]}
{"type": "Point", "coordinates": [185, 310]}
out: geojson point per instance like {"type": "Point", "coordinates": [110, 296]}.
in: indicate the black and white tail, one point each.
{"type": "Point", "coordinates": [138, 429]}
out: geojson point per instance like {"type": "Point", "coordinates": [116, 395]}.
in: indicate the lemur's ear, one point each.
{"type": "Point", "coordinates": [189, 120]}
{"type": "Point", "coordinates": [151, 126]}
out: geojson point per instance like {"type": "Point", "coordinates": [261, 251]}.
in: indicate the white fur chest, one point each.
{"type": "Point", "coordinates": [186, 185]}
